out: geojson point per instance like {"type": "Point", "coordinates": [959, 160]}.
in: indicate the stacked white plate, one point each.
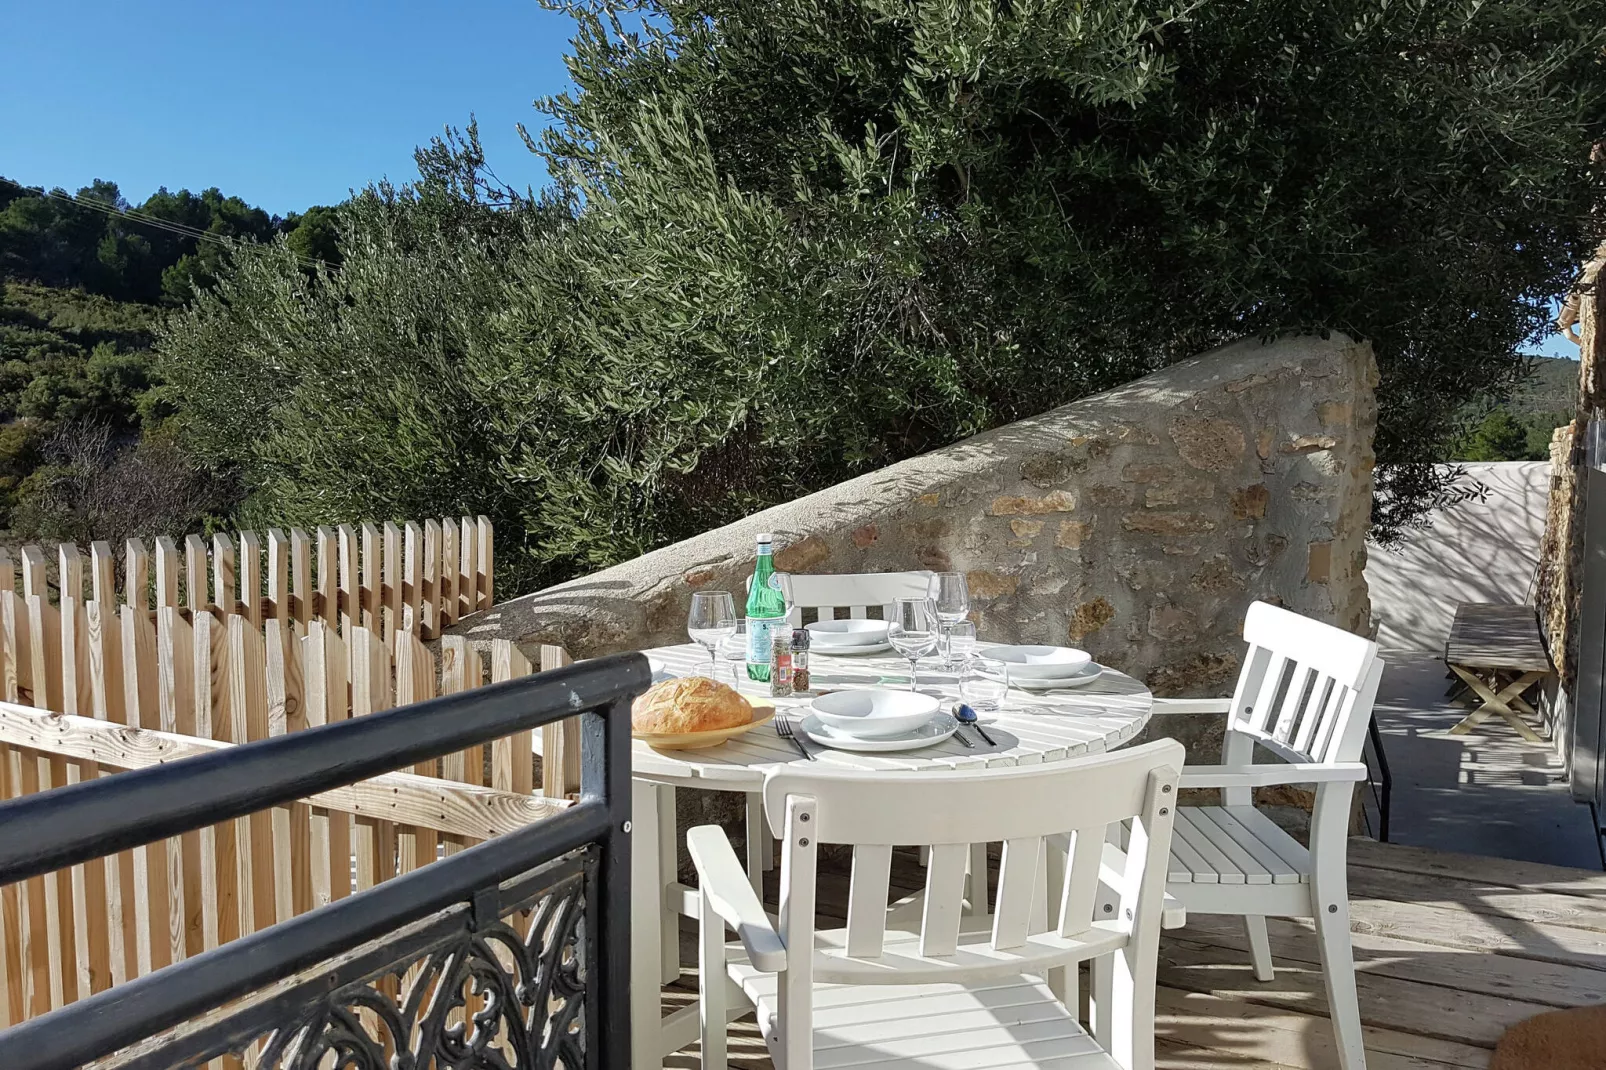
{"type": "Point", "coordinates": [1042, 668]}
{"type": "Point", "coordinates": [877, 720]}
{"type": "Point", "coordinates": [848, 638]}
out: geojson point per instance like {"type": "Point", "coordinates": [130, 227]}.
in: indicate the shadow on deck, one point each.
{"type": "Point", "coordinates": [1450, 950]}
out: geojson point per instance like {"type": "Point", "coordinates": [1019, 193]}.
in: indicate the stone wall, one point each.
{"type": "Point", "coordinates": [1138, 524]}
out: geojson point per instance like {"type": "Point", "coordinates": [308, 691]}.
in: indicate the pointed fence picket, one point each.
{"type": "Point", "coordinates": [414, 577]}
{"type": "Point", "coordinates": [213, 646]}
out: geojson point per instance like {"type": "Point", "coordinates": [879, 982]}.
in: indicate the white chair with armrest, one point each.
{"type": "Point", "coordinates": [1305, 695]}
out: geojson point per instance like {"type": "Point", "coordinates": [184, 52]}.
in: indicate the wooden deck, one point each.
{"type": "Point", "coordinates": [1450, 950]}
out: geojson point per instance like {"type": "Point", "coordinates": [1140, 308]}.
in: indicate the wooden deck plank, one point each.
{"type": "Point", "coordinates": [1457, 928]}
{"type": "Point", "coordinates": [1294, 941]}
{"type": "Point", "coordinates": [1478, 897]}
{"type": "Point", "coordinates": [1558, 880]}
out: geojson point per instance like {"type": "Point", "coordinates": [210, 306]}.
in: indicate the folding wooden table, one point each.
{"type": "Point", "coordinates": [1497, 651]}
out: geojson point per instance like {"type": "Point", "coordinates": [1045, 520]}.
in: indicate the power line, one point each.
{"type": "Point", "coordinates": [133, 215]}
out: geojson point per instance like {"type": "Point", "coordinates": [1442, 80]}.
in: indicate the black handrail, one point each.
{"type": "Point", "coordinates": [75, 824]}
{"type": "Point", "coordinates": [71, 825]}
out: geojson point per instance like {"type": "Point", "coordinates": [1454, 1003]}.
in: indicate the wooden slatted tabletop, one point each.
{"type": "Point", "coordinates": [1487, 635]}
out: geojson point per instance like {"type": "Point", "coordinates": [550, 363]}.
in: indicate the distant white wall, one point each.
{"type": "Point", "coordinates": [1478, 551]}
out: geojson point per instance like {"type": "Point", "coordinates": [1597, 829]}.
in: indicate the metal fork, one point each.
{"type": "Point", "coordinates": [783, 728]}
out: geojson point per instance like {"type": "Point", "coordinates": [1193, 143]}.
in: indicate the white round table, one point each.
{"type": "Point", "coordinates": [1031, 727]}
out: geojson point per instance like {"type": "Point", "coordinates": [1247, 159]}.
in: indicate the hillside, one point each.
{"type": "Point", "coordinates": [1519, 428]}
{"type": "Point", "coordinates": [84, 278]}
{"type": "Point", "coordinates": [1553, 388]}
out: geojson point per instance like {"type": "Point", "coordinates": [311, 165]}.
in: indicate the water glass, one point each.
{"type": "Point", "coordinates": [983, 683]}
{"type": "Point", "coordinates": [961, 642]}
{"type": "Point", "coordinates": [950, 599]}
{"type": "Point", "coordinates": [912, 631]}
{"type": "Point", "coordinates": [712, 619]}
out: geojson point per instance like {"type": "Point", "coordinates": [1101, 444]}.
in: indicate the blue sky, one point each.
{"type": "Point", "coordinates": [285, 104]}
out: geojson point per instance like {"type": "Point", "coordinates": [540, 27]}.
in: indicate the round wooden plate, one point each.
{"type": "Point", "coordinates": [763, 713]}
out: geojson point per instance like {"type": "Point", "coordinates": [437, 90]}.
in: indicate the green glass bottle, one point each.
{"type": "Point", "coordinates": [766, 610]}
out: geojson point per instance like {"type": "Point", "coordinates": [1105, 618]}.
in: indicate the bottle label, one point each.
{"type": "Point", "coordinates": [758, 640]}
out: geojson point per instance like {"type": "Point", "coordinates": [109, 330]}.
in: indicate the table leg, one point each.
{"type": "Point", "coordinates": [646, 924]}
{"type": "Point", "coordinates": [669, 876]}
{"type": "Point", "coordinates": [1496, 703]}
{"type": "Point", "coordinates": [755, 842]}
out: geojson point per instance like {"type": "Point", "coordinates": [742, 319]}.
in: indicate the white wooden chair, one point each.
{"type": "Point", "coordinates": [934, 985]}
{"type": "Point", "coordinates": [1305, 695]}
{"type": "Point", "coordinates": [848, 594]}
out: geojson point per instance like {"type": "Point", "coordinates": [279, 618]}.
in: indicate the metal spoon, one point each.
{"type": "Point", "coordinates": [965, 715]}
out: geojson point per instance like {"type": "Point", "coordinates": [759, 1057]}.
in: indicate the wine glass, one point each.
{"type": "Point", "coordinates": [733, 648]}
{"type": "Point", "coordinates": [950, 598]}
{"type": "Point", "coordinates": [913, 632]}
{"type": "Point", "coordinates": [712, 618]}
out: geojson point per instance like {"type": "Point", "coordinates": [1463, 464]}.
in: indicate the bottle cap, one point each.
{"type": "Point", "coordinates": [800, 638]}
{"type": "Point", "coordinates": [766, 537]}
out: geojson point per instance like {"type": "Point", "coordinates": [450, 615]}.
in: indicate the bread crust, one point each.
{"type": "Point", "coordinates": [688, 704]}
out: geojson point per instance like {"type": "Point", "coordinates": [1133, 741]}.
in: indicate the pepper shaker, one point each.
{"type": "Point", "coordinates": [800, 659]}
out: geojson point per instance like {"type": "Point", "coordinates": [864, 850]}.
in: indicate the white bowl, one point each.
{"type": "Point", "coordinates": [874, 712]}
{"type": "Point", "coordinates": [827, 633]}
{"type": "Point", "coordinates": [1039, 662]}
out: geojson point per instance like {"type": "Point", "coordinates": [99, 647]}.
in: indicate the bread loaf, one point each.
{"type": "Point", "coordinates": [688, 704]}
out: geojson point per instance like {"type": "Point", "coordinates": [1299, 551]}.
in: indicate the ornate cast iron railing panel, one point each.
{"type": "Point", "coordinates": [511, 954]}
{"type": "Point", "coordinates": [524, 968]}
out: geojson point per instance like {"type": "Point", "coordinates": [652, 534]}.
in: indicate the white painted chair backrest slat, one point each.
{"type": "Point", "coordinates": [1018, 884]}
{"type": "Point", "coordinates": [1080, 799]}
{"type": "Point", "coordinates": [1076, 903]}
{"type": "Point", "coordinates": [1258, 686]}
{"type": "Point", "coordinates": [852, 595]}
{"type": "Point", "coordinates": [867, 898]}
{"type": "Point", "coordinates": [1301, 687]}
{"type": "Point", "coordinates": [1293, 701]}
{"type": "Point", "coordinates": [1314, 717]}
{"type": "Point", "coordinates": [945, 894]}
{"type": "Point", "coordinates": [1316, 731]}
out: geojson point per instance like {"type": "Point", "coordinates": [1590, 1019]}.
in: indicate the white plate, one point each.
{"type": "Point", "coordinates": [932, 732]}
{"type": "Point", "coordinates": [874, 712]}
{"type": "Point", "coordinates": [1039, 662]}
{"type": "Point", "coordinates": [829, 634]}
{"type": "Point", "coordinates": [1093, 671]}
{"type": "Point", "coordinates": [850, 651]}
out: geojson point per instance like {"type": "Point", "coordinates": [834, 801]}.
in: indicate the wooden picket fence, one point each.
{"type": "Point", "coordinates": [91, 687]}
{"type": "Point", "coordinates": [419, 576]}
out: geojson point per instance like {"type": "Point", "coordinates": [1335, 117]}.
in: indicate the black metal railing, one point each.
{"type": "Point", "coordinates": [514, 952]}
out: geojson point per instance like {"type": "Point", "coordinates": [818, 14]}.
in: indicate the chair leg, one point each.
{"type": "Point", "coordinates": [711, 985]}
{"type": "Point", "coordinates": [1338, 971]}
{"type": "Point", "coordinates": [1259, 946]}
{"type": "Point", "coordinates": [1102, 1016]}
